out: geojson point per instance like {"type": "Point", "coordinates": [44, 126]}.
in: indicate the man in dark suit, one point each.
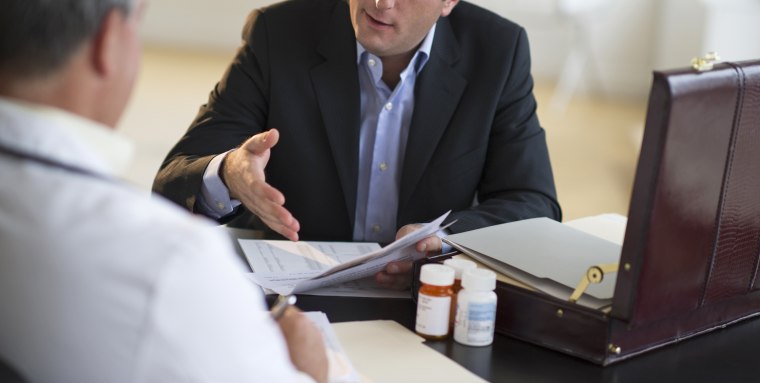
{"type": "Point", "coordinates": [383, 112]}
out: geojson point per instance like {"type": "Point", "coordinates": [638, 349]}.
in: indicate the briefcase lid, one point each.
{"type": "Point", "coordinates": [693, 234]}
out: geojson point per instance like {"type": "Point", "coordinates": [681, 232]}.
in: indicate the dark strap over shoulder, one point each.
{"type": "Point", "coordinates": [24, 156]}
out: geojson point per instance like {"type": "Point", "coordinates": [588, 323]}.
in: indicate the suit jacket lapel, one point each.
{"type": "Point", "coordinates": [438, 90]}
{"type": "Point", "coordinates": [336, 84]}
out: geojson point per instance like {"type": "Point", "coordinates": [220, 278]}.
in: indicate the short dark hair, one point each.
{"type": "Point", "coordinates": [37, 37]}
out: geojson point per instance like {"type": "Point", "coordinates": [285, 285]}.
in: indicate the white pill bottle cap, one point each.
{"type": "Point", "coordinates": [459, 266]}
{"type": "Point", "coordinates": [479, 280]}
{"type": "Point", "coordinates": [437, 275]}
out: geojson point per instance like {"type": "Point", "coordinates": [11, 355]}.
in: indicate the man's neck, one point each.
{"type": "Point", "coordinates": [393, 66]}
{"type": "Point", "coordinates": [54, 91]}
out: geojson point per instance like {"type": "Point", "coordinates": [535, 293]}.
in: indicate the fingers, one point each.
{"type": "Point", "coordinates": [395, 276]}
{"type": "Point", "coordinates": [406, 229]}
{"type": "Point", "coordinates": [393, 282]}
{"type": "Point", "coordinates": [292, 313]}
{"type": "Point", "coordinates": [285, 314]}
{"type": "Point", "coordinates": [398, 268]}
{"type": "Point", "coordinates": [262, 142]}
{"type": "Point", "coordinates": [288, 231]}
{"type": "Point", "coordinates": [398, 275]}
{"type": "Point", "coordinates": [267, 204]}
{"type": "Point", "coordinates": [267, 192]}
{"type": "Point", "coordinates": [305, 344]}
{"type": "Point", "coordinates": [431, 244]}
{"type": "Point", "coordinates": [278, 219]}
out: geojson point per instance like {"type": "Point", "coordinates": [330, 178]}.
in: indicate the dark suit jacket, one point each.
{"type": "Point", "coordinates": [474, 130]}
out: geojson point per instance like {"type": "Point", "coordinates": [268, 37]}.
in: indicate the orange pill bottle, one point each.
{"type": "Point", "coordinates": [434, 301]}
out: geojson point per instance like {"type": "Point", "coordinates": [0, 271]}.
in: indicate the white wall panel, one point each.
{"type": "Point", "coordinates": [622, 38]}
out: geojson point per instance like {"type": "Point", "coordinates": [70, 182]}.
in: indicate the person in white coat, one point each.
{"type": "Point", "coordinates": [98, 282]}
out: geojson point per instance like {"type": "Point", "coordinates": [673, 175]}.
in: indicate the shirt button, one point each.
{"type": "Point", "coordinates": [376, 228]}
{"type": "Point", "coordinates": [220, 205]}
{"type": "Point", "coordinates": [383, 166]}
{"type": "Point", "coordinates": [371, 62]}
{"type": "Point", "coordinates": [389, 106]}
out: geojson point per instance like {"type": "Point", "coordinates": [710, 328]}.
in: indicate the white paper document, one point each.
{"type": "Point", "coordinates": [609, 226]}
{"type": "Point", "coordinates": [365, 288]}
{"type": "Point", "coordinates": [295, 267]}
{"type": "Point", "coordinates": [385, 351]}
{"type": "Point", "coordinates": [339, 369]}
{"type": "Point", "coordinates": [544, 254]}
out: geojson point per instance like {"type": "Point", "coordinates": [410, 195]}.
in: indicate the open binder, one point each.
{"type": "Point", "coordinates": [689, 260]}
{"type": "Point", "coordinates": [545, 255]}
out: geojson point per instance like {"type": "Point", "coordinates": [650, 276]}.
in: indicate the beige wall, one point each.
{"type": "Point", "coordinates": [628, 38]}
{"type": "Point", "coordinates": [593, 141]}
{"type": "Point", "coordinates": [620, 39]}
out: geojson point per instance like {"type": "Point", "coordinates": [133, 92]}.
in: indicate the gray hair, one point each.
{"type": "Point", "coordinates": [37, 37]}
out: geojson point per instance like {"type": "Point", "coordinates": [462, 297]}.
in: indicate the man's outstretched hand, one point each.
{"type": "Point", "coordinates": [243, 173]}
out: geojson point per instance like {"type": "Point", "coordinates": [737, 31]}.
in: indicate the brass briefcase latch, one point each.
{"type": "Point", "coordinates": [594, 274]}
{"type": "Point", "coordinates": [705, 62]}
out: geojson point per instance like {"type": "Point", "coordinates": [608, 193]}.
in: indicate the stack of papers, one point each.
{"type": "Point", "coordinates": [544, 254]}
{"type": "Point", "coordinates": [287, 267]}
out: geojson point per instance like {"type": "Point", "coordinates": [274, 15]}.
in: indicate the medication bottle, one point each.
{"type": "Point", "coordinates": [434, 301]}
{"type": "Point", "coordinates": [459, 265]}
{"type": "Point", "coordinates": [476, 308]}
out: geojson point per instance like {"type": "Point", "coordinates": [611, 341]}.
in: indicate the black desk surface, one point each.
{"type": "Point", "coordinates": [726, 355]}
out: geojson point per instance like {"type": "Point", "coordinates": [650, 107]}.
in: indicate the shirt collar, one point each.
{"type": "Point", "coordinates": [112, 149]}
{"type": "Point", "coordinates": [423, 52]}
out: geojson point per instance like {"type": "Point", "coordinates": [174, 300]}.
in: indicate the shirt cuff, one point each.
{"type": "Point", "coordinates": [445, 247]}
{"type": "Point", "coordinates": [215, 199]}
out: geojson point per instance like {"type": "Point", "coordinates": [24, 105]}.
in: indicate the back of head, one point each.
{"type": "Point", "coordinates": [37, 37]}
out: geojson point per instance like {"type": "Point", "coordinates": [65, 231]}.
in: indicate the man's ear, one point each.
{"type": "Point", "coordinates": [448, 6]}
{"type": "Point", "coordinates": [106, 45]}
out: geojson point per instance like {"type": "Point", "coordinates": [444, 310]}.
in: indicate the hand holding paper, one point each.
{"type": "Point", "coordinates": [397, 275]}
{"type": "Point", "coordinates": [324, 270]}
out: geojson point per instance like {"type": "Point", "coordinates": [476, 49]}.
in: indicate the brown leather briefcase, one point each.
{"type": "Point", "coordinates": [689, 260]}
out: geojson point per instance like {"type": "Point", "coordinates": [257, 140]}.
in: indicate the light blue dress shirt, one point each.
{"type": "Point", "coordinates": [386, 117]}
{"type": "Point", "coordinates": [215, 199]}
